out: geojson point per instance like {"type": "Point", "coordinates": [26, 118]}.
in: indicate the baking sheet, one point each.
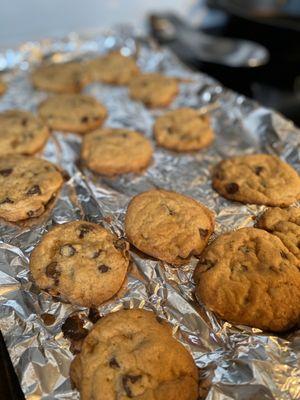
{"type": "Point", "coordinates": [234, 362]}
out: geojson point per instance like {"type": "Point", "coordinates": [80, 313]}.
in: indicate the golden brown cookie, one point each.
{"type": "Point", "coordinates": [184, 129]}
{"type": "Point", "coordinates": [257, 179]}
{"type": "Point", "coordinates": [249, 277]}
{"type": "Point", "coordinates": [26, 186]}
{"type": "Point", "coordinates": [2, 87]}
{"type": "Point", "coordinates": [21, 133]}
{"type": "Point", "coordinates": [168, 225]}
{"type": "Point", "coordinates": [72, 112]}
{"type": "Point", "coordinates": [116, 151]}
{"type": "Point", "coordinates": [112, 68]}
{"type": "Point", "coordinates": [285, 224]}
{"type": "Point", "coordinates": [154, 90]}
{"type": "Point", "coordinates": [67, 77]}
{"type": "Point", "coordinates": [131, 354]}
{"type": "Point", "coordinates": [81, 262]}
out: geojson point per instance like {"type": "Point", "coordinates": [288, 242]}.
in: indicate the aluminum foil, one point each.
{"type": "Point", "coordinates": [235, 362]}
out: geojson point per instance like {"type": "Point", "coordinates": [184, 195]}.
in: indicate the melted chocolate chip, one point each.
{"type": "Point", "coordinates": [34, 190]}
{"type": "Point", "coordinates": [159, 319]}
{"type": "Point", "coordinates": [73, 328]}
{"type": "Point", "coordinates": [127, 380]}
{"type": "Point", "coordinates": [203, 233]}
{"type": "Point", "coordinates": [232, 188]}
{"type": "Point", "coordinates": [258, 170]}
{"type": "Point", "coordinates": [53, 272]}
{"type": "Point", "coordinates": [103, 268]}
{"type": "Point", "coordinates": [94, 315]}
{"type": "Point", "coordinates": [6, 172]}
{"type": "Point", "coordinates": [24, 121]}
{"type": "Point", "coordinates": [169, 130]}
{"type": "Point", "coordinates": [67, 250]}
{"type": "Point", "coordinates": [113, 363]}
{"type": "Point", "coordinates": [83, 230]}
{"type": "Point", "coordinates": [97, 253]}
{"type": "Point", "coordinates": [84, 119]}
{"type": "Point", "coordinates": [7, 200]}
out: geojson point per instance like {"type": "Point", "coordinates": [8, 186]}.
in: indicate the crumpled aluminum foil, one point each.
{"type": "Point", "coordinates": [235, 362]}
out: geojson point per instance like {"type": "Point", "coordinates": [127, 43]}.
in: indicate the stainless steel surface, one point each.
{"type": "Point", "coordinates": [241, 363]}
{"type": "Point", "coordinates": [209, 48]}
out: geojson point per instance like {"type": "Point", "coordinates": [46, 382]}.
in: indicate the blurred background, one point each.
{"type": "Point", "coordinates": [251, 46]}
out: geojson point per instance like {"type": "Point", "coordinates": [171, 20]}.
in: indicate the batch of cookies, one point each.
{"type": "Point", "coordinates": [249, 276]}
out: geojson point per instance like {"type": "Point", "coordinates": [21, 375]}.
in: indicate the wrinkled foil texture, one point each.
{"type": "Point", "coordinates": [235, 362]}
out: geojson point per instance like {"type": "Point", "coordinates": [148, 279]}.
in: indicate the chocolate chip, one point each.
{"type": "Point", "coordinates": [113, 363]}
{"type": "Point", "coordinates": [67, 250]}
{"type": "Point", "coordinates": [103, 268]}
{"type": "Point", "coordinates": [84, 119]}
{"type": "Point", "coordinates": [203, 233]}
{"type": "Point", "coordinates": [24, 121]}
{"type": "Point", "coordinates": [159, 319]}
{"type": "Point", "coordinates": [258, 170]}
{"type": "Point", "coordinates": [6, 172]}
{"type": "Point", "coordinates": [96, 253]}
{"type": "Point", "coordinates": [30, 213]}
{"type": "Point", "coordinates": [83, 230]}
{"type": "Point", "coordinates": [232, 188]}
{"type": "Point", "coordinates": [34, 190]}
{"type": "Point", "coordinates": [94, 315]}
{"type": "Point", "coordinates": [169, 130]}
{"type": "Point", "coordinates": [48, 319]}
{"type": "Point", "coordinates": [7, 200]}
{"type": "Point", "coordinates": [283, 255]}
{"type": "Point", "coordinates": [128, 379]}
{"type": "Point", "coordinates": [53, 272]}
{"type": "Point", "coordinates": [73, 328]}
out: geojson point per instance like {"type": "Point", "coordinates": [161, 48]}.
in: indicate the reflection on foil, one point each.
{"type": "Point", "coordinates": [235, 362]}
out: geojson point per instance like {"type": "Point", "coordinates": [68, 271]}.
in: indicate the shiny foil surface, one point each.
{"type": "Point", "coordinates": [235, 362]}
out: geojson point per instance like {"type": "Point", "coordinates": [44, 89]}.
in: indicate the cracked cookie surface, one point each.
{"type": "Point", "coordinates": [81, 262]}
{"type": "Point", "coordinates": [21, 133]}
{"type": "Point", "coordinates": [257, 179]}
{"type": "Point", "coordinates": [153, 89]}
{"type": "Point", "coordinates": [131, 354]}
{"type": "Point", "coordinates": [67, 77]}
{"type": "Point", "coordinates": [27, 184]}
{"type": "Point", "coordinates": [249, 277]}
{"type": "Point", "coordinates": [168, 225]}
{"type": "Point", "coordinates": [72, 112]}
{"type": "Point", "coordinates": [183, 129]}
{"type": "Point", "coordinates": [116, 151]}
{"type": "Point", "coordinates": [285, 224]}
{"type": "Point", "coordinates": [112, 68]}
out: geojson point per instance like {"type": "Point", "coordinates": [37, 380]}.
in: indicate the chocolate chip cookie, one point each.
{"type": "Point", "coordinates": [26, 186]}
{"type": "Point", "coordinates": [116, 151]}
{"type": "Point", "coordinates": [21, 133]}
{"type": "Point", "coordinates": [154, 90]}
{"type": "Point", "coordinates": [131, 354]}
{"type": "Point", "coordinates": [60, 78]}
{"type": "Point", "coordinates": [72, 112]}
{"type": "Point", "coordinates": [257, 179]}
{"type": "Point", "coordinates": [81, 262]}
{"type": "Point", "coordinates": [249, 277]}
{"type": "Point", "coordinates": [285, 224]}
{"type": "Point", "coordinates": [184, 129]}
{"type": "Point", "coordinates": [168, 225]}
{"type": "Point", "coordinates": [112, 68]}
{"type": "Point", "coordinates": [2, 87]}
